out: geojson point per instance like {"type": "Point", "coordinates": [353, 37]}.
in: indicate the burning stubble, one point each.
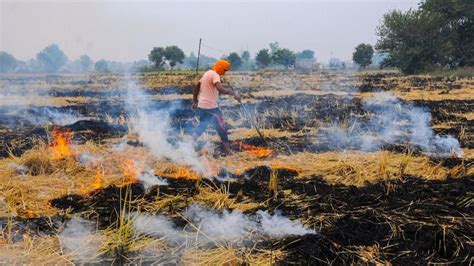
{"type": "Point", "coordinates": [392, 122]}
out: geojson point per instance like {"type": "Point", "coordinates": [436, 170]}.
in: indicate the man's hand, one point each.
{"type": "Point", "coordinates": [238, 97]}
{"type": "Point", "coordinates": [194, 106]}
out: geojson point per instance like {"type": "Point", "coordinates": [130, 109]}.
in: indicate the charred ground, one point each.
{"type": "Point", "coordinates": [402, 220]}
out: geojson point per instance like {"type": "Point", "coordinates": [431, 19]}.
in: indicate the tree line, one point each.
{"type": "Point", "coordinates": [439, 34]}
{"type": "Point", "coordinates": [275, 56]}
{"type": "Point", "coordinates": [52, 59]}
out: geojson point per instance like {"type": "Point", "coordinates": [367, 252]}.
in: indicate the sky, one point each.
{"type": "Point", "coordinates": [128, 30]}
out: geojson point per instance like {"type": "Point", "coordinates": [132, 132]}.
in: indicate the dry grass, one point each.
{"type": "Point", "coordinates": [34, 251]}
{"type": "Point", "coordinates": [349, 168]}
{"type": "Point", "coordinates": [228, 255]}
{"type": "Point", "coordinates": [219, 198]}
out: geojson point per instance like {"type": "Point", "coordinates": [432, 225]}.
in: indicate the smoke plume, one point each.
{"type": "Point", "coordinates": [391, 121]}
{"type": "Point", "coordinates": [209, 227]}
{"type": "Point", "coordinates": [79, 239]}
{"type": "Point", "coordinates": [153, 128]}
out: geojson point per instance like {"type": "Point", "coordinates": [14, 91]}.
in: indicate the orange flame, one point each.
{"type": "Point", "coordinates": [185, 172]}
{"type": "Point", "coordinates": [130, 172]}
{"type": "Point", "coordinates": [260, 152]}
{"type": "Point", "coordinates": [60, 144]}
{"type": "Point", "coordinates": [99, 180]}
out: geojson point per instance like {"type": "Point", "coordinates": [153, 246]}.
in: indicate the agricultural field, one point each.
{"type": "Point", "coordinates": [353, 167]}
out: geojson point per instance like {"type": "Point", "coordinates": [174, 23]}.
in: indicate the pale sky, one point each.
{"type": "Point", "coordinates": [128, 30]}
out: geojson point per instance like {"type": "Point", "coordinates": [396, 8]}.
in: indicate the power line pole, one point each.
{"type": "Point", "coordinates": [199, 53]}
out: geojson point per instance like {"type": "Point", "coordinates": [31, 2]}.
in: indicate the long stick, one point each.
{"type": "Point", "coordinates": [199, 53]}
{"type": "Point", "coordinates": [249, 117]}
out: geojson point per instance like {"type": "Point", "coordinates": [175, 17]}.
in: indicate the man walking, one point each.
{"type": "Point", "coordinates": [205, 97]}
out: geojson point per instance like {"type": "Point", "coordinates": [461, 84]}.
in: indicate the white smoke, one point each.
{"type": "Point", "coordinates": [392, 121]}
{"type": "Point", "coordinates": [223, 227]}
{"type": "Point", "coordinates": [153, 128]}
{"type": "Point", "coordinates": [19, 168]}
{"type": "Point", "coordinates": [278, 226]}
{"type": "Point", "coordinates": [79, 239]}
{"type": "Point", "coordinates": [148, 180]}
{"type": "Point", "coordinates": [209, 227]}
{"type": "Point", "coordinates": [158, 226]}
{"type": "Point", "coordinates": [21, 107]}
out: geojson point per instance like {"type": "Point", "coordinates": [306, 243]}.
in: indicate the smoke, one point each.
{"type": "Point", "coordinates": [79, 239]}
{"type": "Point", "coordinates": [158, 226]}
{"type": "Point", "coordinates": [209, 227]}
{"type": "Point", "coordinates": [278, 226]}
{"type": "Point", "coordinates": [25, 107]}
{"type": "Point", "coordinates": [148, 179]}
{"type": "Point", "coordinates": [153, 128]}
{"type": "Point", "coordinates": [222, 227]}
{"type": "Point", "coordinates": [391, 121]}
{"type": "Point", "coordinates": [19, 168]}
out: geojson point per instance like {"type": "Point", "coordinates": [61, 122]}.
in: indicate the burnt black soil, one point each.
{"type": "Point", "coordinates": [408, 221]}
{"type": "Point", "coordinates": [16, 227]}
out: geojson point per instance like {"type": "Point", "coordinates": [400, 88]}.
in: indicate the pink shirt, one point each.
{"type": "Point", "coordinates": [208, 93]}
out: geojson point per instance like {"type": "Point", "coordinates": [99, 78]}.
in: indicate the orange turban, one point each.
{"type": "Point", "coordinates": [221, 66]}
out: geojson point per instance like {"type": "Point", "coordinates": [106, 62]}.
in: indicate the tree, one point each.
{"type": "Point", "coordinates": [274, 46]}
{"type": "Point", "coordinates": [85, 63]}
{"type": "Point", "coordinates": [455, 20]}
{"type": "Point", "coordinates": [235, 60]}
{"type": "Point", "coordinates": [245, 56]}
{"type": "Point", "coordinates": [101, 66]}
{"type": "Point", "coordinates": [305, 54]}
{"type": "Point", "coordinates": [8, 63]}
{"type": "Point", "coordinates": [174, 55]}
{"type": "Point", "coordinates": [157, 57]}
{"type": "Point", "coordinates": [363, 55]}
{"type": "Point", "coordinates": [437, 35]}
{"type": "Point", "coordinates": [52, 58]}
{"type": "Point", "coordinates": [284, 57]}
{"type": "Point", "coordinates": [263, 58]}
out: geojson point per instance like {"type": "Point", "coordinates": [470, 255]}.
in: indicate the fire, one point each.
{"type": "Point", "coordinates": [185, 172]}
{"type": "Point", "coordinates": [99, 180]}
{"type": "Point", "coordinates": [260, 152]}
{"type": "Point", "coordinates": [60, 144]}
{"type": "Point", "coordinates": [130, 172]}
{"type": "Point", "coordinates": [276, 165]}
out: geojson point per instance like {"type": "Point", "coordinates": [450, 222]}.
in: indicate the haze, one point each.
{"type": "Point", "coordinates": [128, 30]}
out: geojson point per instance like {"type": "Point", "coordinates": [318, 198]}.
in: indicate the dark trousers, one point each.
{"type": "Point", "coordinates": [214, 117]}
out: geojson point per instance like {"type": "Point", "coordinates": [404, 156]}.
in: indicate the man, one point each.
{"type": "Point", "coordinates": [205, 96]}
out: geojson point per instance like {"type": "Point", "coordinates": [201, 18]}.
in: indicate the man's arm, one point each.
{"type": "Point", "coordinates": [195, 95]}
{"type": "Point", "coordinates": [227, 91]}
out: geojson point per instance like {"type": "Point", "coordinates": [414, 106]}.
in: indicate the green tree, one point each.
{"type": "Point", "coordinates": [284, 57]}
{"type": "Point", "coordinates": [305, 54]}
{"type": "Point", "coordinates": [246, 56]}
{"type": "Point", "coordinates": [157, 57]}
{"type": "Point", "coordinates": [437, 35]}
{"type": "Point", "coordinates": [263, 58]}
{"type": "Point", "coordinates": [174, 55]}
{"type": "Point", "coordinates": [274, 46]}
{"type": "Point", "coordinates": [363, 55]}
{"type": "Point", "coordinates": [235, 60]}
{"type": "Point", "coordinates": [52, 58]}
{"type": "Point", "coordinates": [85, 63]}
{"type": "Point", "coordinates": [8, 63]}
{"type": "Point", "coordinates": [454, 19]}
{"type": "Point", "coordinates": [101, 66]}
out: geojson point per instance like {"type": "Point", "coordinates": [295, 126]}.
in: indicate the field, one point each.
{"type": "Point", "coordinates": [353, 167]}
